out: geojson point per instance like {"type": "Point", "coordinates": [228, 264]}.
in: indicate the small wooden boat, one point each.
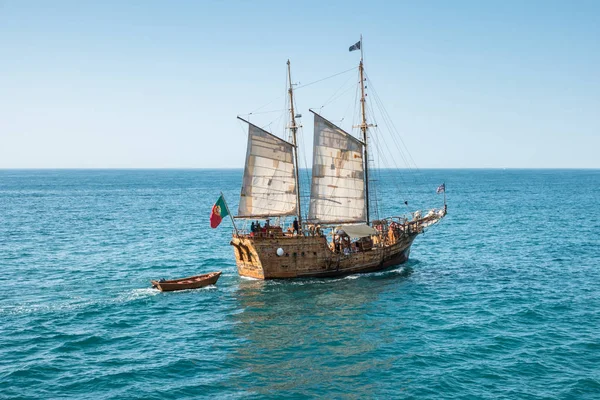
{"type": "Point", "coordinates": [191, 282]}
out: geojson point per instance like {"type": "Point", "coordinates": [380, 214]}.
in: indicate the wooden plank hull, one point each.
{"type": "Point", "coordinates": [191, 282]}
{"type": "Point", "coordinates": [311, 256]}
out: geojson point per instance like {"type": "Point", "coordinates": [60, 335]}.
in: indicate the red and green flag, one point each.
{"type": "Point", "coordinates": [219, 211]}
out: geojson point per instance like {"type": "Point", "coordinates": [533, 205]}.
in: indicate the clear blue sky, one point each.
{"type": "Point", "coordinates": [141, 84]}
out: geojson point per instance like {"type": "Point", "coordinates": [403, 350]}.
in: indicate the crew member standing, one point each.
{"type": "Point", "coordinates": [296, 228]}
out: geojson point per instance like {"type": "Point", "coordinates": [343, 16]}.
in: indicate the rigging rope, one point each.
{"type": "Point", "coordinates": [331, 98]}
{"type": "Point", "coordinates": [262, 112]}
{"type": "Point", "coordinates": [380, 144]}
{"type": "Point", "coordinates": [391, 121]}
{"type": "Point", "coordinates": [323, 79]}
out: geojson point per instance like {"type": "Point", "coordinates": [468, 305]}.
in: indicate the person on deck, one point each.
{"type": "Point", "coordinates": [296, 227]}
{"type": "Point", "coordinates": [252, 227]}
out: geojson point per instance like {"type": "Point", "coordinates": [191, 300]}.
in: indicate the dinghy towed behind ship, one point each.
{"type": "Point", "coordinates": [339, 203]}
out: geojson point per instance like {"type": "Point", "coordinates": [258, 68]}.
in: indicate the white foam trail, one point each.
{"type": "Point", "coordinates": [248, 278]}
{"type": "Point", "coordinates": [136, 294]}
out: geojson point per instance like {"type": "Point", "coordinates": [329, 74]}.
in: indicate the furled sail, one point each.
{"type": "Point", "coordinates": [338, 179]}
{"type": "Point", "coordinates": [269, 186]}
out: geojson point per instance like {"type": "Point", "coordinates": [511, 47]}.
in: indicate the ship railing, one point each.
{"type": "Point", "coordinates": [274, 232]}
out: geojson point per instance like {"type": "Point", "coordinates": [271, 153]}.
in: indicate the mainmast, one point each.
{"type": "Point", "coordinates": [294, 129]}
{"type": "Point", "coordinates": [363, 127]}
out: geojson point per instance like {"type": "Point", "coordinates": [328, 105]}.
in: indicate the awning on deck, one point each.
{"type": "Point", "coordinates": [357, 231]}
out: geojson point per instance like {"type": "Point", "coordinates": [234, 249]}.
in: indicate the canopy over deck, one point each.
{"type": "Point", "coordinates": [357, 231]}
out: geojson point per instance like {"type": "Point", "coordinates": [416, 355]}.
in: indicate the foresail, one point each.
{"type": "Point", "coordinates": [269, 186]}
{"type": "Point", "coordinates": [337, 192]}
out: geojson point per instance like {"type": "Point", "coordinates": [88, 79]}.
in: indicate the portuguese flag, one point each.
{"type": "Point", "coordinates": [219, 211]}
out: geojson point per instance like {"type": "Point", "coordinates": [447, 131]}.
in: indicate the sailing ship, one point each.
{"type": "Point", "coordinates": [338, 235]}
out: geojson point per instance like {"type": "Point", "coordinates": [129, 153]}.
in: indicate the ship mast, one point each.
{"type": "Point", "coordinates": [363, 127]}
{"type": "Point", "coordinates": [294, 129]}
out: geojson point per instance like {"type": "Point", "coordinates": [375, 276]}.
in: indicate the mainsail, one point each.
{"type": "Point", "coordinates": [338, 180]}
{"type": "Point", "coordinates": [269, 186]}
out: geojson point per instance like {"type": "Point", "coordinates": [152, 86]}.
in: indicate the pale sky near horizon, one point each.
{"type": "Point", "coordinates": [153, 84]}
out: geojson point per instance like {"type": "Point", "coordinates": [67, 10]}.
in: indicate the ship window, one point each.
{"type": "Point", "coordinates": [302, 254]}
{"type": "Point", "coordinates": [295, 254]}
{"type": "Point", "coordinates": [314, 253]}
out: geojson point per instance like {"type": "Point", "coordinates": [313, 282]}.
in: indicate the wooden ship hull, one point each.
{"type": "Point", "coordinates": [311, 256]}
{"type": "Point", "coordinates": [274, 254]}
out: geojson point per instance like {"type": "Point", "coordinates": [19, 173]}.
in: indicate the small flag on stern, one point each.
{"type": "Point", "coordinates": [441, 188]}
{"type": "Point", "coordinates": [219, 211]}
{"type": "Point", "coordinates": [355, 46]}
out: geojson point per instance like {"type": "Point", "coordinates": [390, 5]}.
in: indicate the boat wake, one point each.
{"type": "Point", "coordinates": [136, 294]}
{"type": "Point", "coordinates": [78, 304]}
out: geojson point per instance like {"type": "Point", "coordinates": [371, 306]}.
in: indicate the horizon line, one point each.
{"type": "Point", "coordinates": [241, 168]}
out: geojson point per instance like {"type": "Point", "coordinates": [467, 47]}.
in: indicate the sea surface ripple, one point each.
{"type": "Point", "coordinates": [499, 301]}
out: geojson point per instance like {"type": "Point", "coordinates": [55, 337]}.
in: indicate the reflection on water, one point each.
{"type": "Point", "coordinates": [303, 334]}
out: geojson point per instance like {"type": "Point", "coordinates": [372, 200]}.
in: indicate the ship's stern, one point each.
{"type": "Point", "coordinates": [246, 258]}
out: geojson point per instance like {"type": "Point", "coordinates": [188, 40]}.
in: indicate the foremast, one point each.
{"type": "Point", "coordinates": [294, 128]}
{"type": "Point", "coordinates": [270, 185]}
{"type": "Point", "coordinates": [364, 126]}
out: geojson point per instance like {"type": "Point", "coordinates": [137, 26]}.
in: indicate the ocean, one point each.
{"type": "Point", "coordinates": [501, 300]}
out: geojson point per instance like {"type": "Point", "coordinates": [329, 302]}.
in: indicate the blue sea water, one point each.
{"type": "Point", "coordinates": [499, 301]}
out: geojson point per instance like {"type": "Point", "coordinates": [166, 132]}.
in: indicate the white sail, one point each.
{"type": "Point", "coordinates": [338, 179]}
{"type": "Point", "coordinates": [269, 186]}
